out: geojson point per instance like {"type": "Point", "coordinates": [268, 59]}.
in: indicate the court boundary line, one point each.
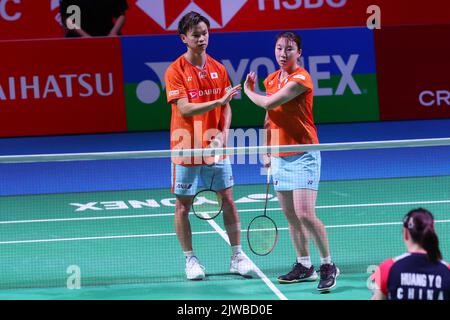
{"type": "Point", "coordinates": [376, 224]}
{"type": "Point", "coordinates": [356, 205]}
{"type": "Point", "coordinates": [260, 274]}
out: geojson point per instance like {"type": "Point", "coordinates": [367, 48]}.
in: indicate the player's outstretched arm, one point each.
{"type": "Point", "coordinates": [191, 109]}
{"type": "Point", "coordinates": [286, 94]}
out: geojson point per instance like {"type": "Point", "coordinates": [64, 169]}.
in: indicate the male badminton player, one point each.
{"type": "Point", "coordinates": [296, 175]}
{"type": "Point", "coordinates": [199, 90]}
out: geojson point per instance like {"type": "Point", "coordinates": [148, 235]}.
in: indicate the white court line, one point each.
{"type": "Point", "coordinates": [199, 232]}
{"type": "Point", "coordinates": [89, 218]}
{"type": "Point", "coordinates": [360, 225]}
{"type": "Point", "coordinates": [208, 212]}
{"type": "Point", "coordinates": [382, 204]}
{"type": "Point", "coordinates": [260, 274]}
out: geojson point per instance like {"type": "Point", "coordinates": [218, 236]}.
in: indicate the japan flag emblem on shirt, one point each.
{"type": "Point", "coordinates": [214, 75]}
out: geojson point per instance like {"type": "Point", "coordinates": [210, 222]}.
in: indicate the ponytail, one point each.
{"type": "Point", "coordinates": [430, 243]}
{"type": "Point", "coordinates": [420, 224]}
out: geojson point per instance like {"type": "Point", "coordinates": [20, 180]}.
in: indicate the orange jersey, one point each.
{"type": "Point", "coordinates": [184, 80]}
{"type": "Point", "coordinates": [292, 122]}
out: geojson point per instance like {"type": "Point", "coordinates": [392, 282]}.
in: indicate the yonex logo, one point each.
{"type": "Point", "coordinates": [310, 182]}
{"type": "Point", "coordinates": [162, 10]}
{"type": "Point", "coordinates": [155, 204]}
{"type": "Point", "coordinates": [184, 186]}
{"type": "Point", "coordinates": [319, 67]}
{"type": "Point", "coordinates": [346, 68]}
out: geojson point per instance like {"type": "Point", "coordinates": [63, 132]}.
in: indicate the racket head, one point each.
{"type": "Point", "coordinates": [207, 204]}
{"type": "Point", "coordinates": [262, 235]}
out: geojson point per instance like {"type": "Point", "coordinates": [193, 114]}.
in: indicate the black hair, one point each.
{"type": "Point", "coordinates": [290, 36]}
{"type": "Point", "coordinates": [190, 20]}
{"type": "Point", "coordinates": [420, 224]}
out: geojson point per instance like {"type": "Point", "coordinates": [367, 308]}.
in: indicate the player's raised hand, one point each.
{"type": "Point", "coordinates": [230, 95]}
{"type": "Point", "coordinates": [250, 82]}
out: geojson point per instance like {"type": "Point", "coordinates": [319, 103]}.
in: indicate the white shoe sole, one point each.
{"type": "Point", "coordinates": [250, 274]}
{"type": "Point", "coordinates": [338, 272]}
{"type": "Point", "coordinates": [199, 277]}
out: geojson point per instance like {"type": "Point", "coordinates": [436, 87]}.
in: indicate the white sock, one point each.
{"type": "Point", "coordinates": [306, 261]}
{"type": "Point", "coordinates": [236, 249]}
{"type": "Point", "coordinates": [189, 254]}
{"type": "Point", "coordinates": [326, 260]}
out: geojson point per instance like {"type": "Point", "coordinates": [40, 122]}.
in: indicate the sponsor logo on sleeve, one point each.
{"type": "Point", "coordinates": [174, 93]}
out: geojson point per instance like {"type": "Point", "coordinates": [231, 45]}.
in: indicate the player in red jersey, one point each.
{"type": "Point", "coordinates": [296, 175]}
{"type": "Point", "coordinates": [199, 91]}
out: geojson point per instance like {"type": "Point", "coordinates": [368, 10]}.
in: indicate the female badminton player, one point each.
{"type": "Point", "coordinates": [419, 274]}
{"type": "Point", "coordinates": [289, 103]}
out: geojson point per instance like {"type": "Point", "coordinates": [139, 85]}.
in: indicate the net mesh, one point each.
{"type": "Point", "coordinates": [110, 216]}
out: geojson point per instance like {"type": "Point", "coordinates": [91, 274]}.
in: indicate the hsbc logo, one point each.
{"type": "Point", "coordinates": [162, 11]}
{"type": "Point", "coordinates": [297, 4]}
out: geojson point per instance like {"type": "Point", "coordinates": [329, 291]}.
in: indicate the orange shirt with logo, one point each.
{"type": "Point", "coordinates": [292, 122]}
{"type": "Point", "coordinates": [198, 85]}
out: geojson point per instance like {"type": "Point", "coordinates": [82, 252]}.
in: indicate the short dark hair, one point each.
{"type": "Point", "coordinates": [190, 20]}
{"type": "Point", "coordinates": [290, 36]}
